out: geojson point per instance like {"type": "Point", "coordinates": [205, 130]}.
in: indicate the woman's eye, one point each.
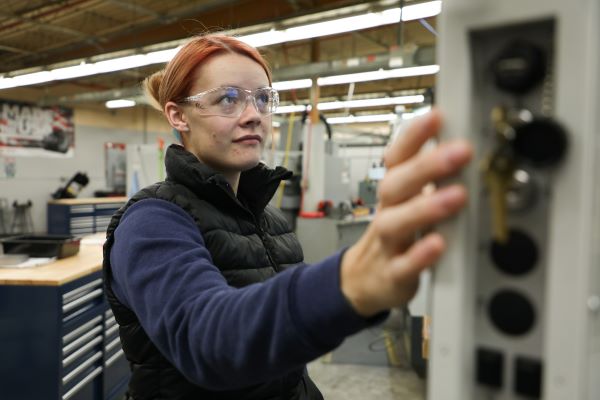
{"type": "Point", "coordinates": [263, 98]}
{"type": "Point", "coordinates": [228, 99]}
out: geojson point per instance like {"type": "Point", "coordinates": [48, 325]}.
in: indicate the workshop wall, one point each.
{"type": "Point", "coordinates": [35, 178]}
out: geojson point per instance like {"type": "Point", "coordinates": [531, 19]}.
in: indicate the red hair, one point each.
{"type": "Point", "coordinates": [175, 80]}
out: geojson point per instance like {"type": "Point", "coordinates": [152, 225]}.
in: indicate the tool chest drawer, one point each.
{"type": "Point", "coordinates": [60, 343]}
{"type": "Point", "coordinates": [77, 218]}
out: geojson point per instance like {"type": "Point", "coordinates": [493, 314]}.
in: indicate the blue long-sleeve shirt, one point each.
{"type": "Point", "coordinates": [218, 336]}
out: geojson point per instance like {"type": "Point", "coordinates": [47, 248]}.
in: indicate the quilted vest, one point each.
{"type": "Point", "coordinates": [227, 224]}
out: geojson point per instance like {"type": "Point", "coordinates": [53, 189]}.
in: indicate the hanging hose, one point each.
{"type": "Point", "coordinates": [306, 156]}
{"type": "Point", "coordinates": [161, 159]}
{"type": "Point", "coordinates": [286, 157]}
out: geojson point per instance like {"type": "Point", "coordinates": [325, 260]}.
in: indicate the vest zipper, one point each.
{"type": "Point", "coordinates": [261, 232]}
{"type": "Point", "coordinates": [261, 235]}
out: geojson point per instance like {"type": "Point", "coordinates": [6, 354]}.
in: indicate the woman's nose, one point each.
{"type": "Point", "coordinates": [250, 113]}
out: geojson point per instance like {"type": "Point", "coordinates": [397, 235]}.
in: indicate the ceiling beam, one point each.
{"type": "Point", "coordinates": [365, 36]}
{"type": "Point", "coordinates": [47, 26]}
{"type": "Point", "coordinates": [139, 9]}
{"type": "Point", "coordinates": [119, 31]}
{"type": "Point", "coordinates": [15, 50]}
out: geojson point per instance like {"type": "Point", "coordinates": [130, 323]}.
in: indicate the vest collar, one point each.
{"type": "Point", "coordinates": [256, 187]}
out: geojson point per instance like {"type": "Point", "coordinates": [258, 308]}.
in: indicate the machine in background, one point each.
{"type": "Point", "coordinates": [516, 299]}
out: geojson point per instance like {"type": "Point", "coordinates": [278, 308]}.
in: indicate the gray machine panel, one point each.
{"type": "Point", "coordinates": [557, 356]}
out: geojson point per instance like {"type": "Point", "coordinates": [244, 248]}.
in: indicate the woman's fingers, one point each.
{"type": "Point", "coordinates": [411, 141]}
{"type": "Point", "coordinates": [407, 179]}
{"type": "Point", "coordinates": [397, 225]}
{"type": "Point", "coordinates": [405, 268]}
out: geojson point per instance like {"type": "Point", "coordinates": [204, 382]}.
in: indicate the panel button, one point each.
{"type": "Point", "coordinates": [528, 377]}
{"type": "Point", "coordinates": [542, 142]}
{"type": "Point", "coordinates": [511, 312]}
{"type": "Point", "coordinates": [517, 256]}
{"type": "Point", "coordinates": [519, 67]}
{"type": "Point", "coordinates": [490, 368]}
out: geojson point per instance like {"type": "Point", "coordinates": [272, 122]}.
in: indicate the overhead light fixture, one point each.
{"type": "Point", "coordinates": [359, 77]}
{"type": "Point", "coordinates": [341, 25]}
{"type": "Point", "coordinates": [352, 119]}
{"type": "Point", "coordinates": [291, 109]}
{"type": "Point", "coordinates": [337, 105]}
{"type": "Point", "coordinates": [120, 103]}
{"type": "Point", "coordinates": [378, 75]}
{"type": "Point", "coordinates": [87, 69]}
{"type": "Point", "coordinates": [383, 101]}
{"type": "Point", "coordinates": [295, 84]}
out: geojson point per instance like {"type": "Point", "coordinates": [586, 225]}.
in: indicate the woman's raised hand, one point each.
{"type": "Point", "coordinates": [382, 269]}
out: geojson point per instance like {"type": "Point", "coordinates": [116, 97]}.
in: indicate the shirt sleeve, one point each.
{"type": "Point", "coordinates": [218, 336]}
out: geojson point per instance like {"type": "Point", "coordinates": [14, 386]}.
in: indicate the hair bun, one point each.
{"type": "Point", "coordinates": [151, 87]}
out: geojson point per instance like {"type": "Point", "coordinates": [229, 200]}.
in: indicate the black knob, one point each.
{"type": "Point", "coordinates": [511, 313]}
{"type": "Point", "coordinates": [519, 67]}
{"type": "Point", "coordinates": [517, 256]}
{"type": "Point", "coordinates": [543, 142]}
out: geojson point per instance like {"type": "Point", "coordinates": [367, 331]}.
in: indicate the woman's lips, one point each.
{"type": "Point", "coordinates": [250, 139]}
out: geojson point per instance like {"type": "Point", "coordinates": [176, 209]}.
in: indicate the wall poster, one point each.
{"type": "Point", "coordinates": [29, 130]}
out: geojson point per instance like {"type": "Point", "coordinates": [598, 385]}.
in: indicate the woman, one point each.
{"type": "Point", "coordinates": [198, 268]}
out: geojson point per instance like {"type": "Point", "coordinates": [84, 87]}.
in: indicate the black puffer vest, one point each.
{"type": "Point", "coordinates": [228, 224]}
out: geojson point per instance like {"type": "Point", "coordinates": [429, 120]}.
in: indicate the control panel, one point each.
{"type": "Point", "coordinates": [513, 301]}
{"type": "Point", "coordinates": [520, 144]}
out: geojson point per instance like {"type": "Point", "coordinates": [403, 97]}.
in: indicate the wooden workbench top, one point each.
{"type": "Point", "coordinates": [90, 200]}
{"type": "Point", "coordinates": [59, 272]}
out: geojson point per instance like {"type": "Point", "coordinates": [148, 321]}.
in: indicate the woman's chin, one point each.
{"type": "Point", "coordinates": [250, 165]}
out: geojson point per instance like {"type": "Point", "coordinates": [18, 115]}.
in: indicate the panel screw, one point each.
{"type": "Point", "coordinates": [593, 303]}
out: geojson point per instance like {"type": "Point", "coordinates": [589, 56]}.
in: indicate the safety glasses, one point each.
{"type": "Point", "coordinates": [231, 101]}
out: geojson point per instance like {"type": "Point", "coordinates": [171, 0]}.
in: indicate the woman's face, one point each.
{"type": "Point", "coordinates": [227, 144]}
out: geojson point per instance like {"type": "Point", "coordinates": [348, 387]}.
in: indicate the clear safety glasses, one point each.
{"type": "Point", "coordinates": [230, 101]}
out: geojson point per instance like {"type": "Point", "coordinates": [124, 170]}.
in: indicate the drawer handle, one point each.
{"type": "Point", "coordinates": [113, 358]}
{"type": "Point", "coordinates": [69, 377]}
{"type": "Point", "coordinates": [69, 348]}
{"type": "Point", "coordinates": [73, 293]}
{"type": "Point", "coordinates": [82, 383]}
{"type": "Point", "coordinates": [109, 206]}
{"type": "Point", "coordinates": [76, 332]}
{"type": "Point", "coordinates": [81, 209]}
{"type": "Point", "coordinates": [75, 303]}
{"type": "Point", "coordinates": [110, 322]}
{"type": "Point", "coordinates": [111, 330]}
{"type": "Point", "coordinates": [116, 342]}
{"type": "Point", "coordinates": [68, 360]}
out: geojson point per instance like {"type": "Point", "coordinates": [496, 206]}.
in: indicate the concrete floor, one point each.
{"type": "Point", "coordinates": [365, 382]}
{"type": "Point", "coordinates": [372, 364]}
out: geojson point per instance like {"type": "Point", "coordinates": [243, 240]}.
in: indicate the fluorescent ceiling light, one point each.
{"type": "Point", "coordinates": [290, 109]}
{"type": "Point", "coordinates": [341, 25]}
{"type": "Point", "coordinates": [319, 29]}
{"type": "Point", "coordinates": [378, 75]}
{"type": "Point", "coordinates": [359, 77]}
{"type": "Point", "coordinates": [362, 119]}
{"type": "Point", "coordinates": [337, 105]}
{"type": "Point", "coordinates": [87, 69]}
{"type": "Point", "coordinates": [423, 10]}
{"type": "Point", "coordinates": [383, 101]}
{"type": "Point", "coordinates": [295, 84]}
{"type": "Point", "coordinates": [422, 110]}
{"type": "Point", "coordinates": [121, 103]}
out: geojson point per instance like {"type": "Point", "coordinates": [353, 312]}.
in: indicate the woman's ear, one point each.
{"type": "Point", "coordinates": [176, 117]}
